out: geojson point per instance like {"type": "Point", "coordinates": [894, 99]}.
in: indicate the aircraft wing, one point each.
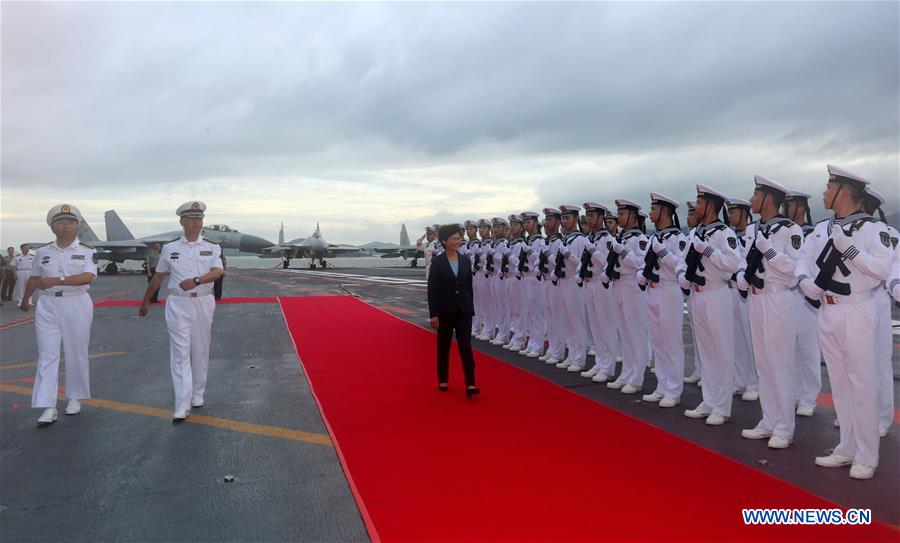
{"type": "Point", "coordinates": [342, 249]}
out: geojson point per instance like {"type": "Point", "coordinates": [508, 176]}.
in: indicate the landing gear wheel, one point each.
{"type": "Point", "coordinates": [111, 268]}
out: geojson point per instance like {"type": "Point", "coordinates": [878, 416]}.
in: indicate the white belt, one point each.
{"type": "Point", "coordinates": [184, 294]}
{"type": "Point", "coordinates": [834, 299]}
{"type": "Point", "coordinates": [60, 293]}
{"type": "Point", "coordinates": [771, 289]}
{"type": "Point", "coordinates": [706, 288]}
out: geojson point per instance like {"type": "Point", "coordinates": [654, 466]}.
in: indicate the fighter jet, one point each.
{"type": "Point", "coordinates": [314, 247]}
{"type": "Point", "coordinates": [405, 249]}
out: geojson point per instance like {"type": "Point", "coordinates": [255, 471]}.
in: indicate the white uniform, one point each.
{"type": "Point", "coordinates": [429, 253]}
{"type": "Point", "coordinates": [516, 292]}
{"type": "Point", "coordinates": [572, 312]}
{"type": "Point", "coordinates": [498, 283]}
{"type": "Point", "coordinates": [63, 315]}
{"type": "Point", "coordinates": [809, 356]}
{"type": "Point", "coordinates": [745, 376]}
{"type": "Point", "coordinates": [696, 374]}
{"type": "Point", "coordinates": [847, 323]}
{"type": "Point", "coordinates": [710, 297]}
{"type": "Point", "coordinates": [473, 251]}
{"type": "Point", "coordinates": [534, 286]}
{"type": "Point", "coordinates": [601, 305]}
{"type": "Point", "coordinates": [556, 347]}
{"type": "Point", "coordinates": [665, 303]}
{"type": "Point", "coordinates": [773, 323]}
{"type": "Point", "coordinates": [630, 303]}
{"type": "Point", "coordinates": [23, 264]}
{"type": "Point", "coordinates": [884, 349]}
{"type": "Point", "coordinates": [189, 315]}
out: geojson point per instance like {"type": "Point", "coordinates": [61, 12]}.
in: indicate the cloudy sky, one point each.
{"type": "Point", "coordinates": [366, 116]}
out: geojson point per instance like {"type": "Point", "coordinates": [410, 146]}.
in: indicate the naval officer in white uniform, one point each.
{"type": "Point", "coordinates": [192, 264]}
{"type": "Point", "coordinates": [63, 270]}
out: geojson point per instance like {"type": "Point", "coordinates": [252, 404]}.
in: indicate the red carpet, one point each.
{"type": "Point", "coordinates": [137, 303]}
{"type": "Point", "coordinates": [526, 461]}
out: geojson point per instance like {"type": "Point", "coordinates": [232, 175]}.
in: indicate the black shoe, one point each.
{"type": "Point", "coordinates": [443, 387]}
{"type": "Point", "coordinates": [472, 391]}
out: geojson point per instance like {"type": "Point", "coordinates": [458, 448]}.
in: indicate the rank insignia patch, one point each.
{"type": "Point", "coordinates": [732, 242]}
{"type": "Point", "coordinates": [205, 253]}
{"type": "Point", "coordinates": [682, 244]}
{"type": "Point", "coordinates": [795, 241]}
{"type": "Point", "coordinates": [885, 238]}
{"type": "Point", "coordinates": [77, 257]}
{"type": "Point", "coordinates": [643, 245]}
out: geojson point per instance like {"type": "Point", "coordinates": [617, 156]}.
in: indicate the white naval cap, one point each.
{"type": "Point", "coordinates": [515, 217]}
{"type": "Point", "coordinates": [529, 215]}
{"type": "Point", "coordinates": [499, 221]}
{"type": "Point", "coordinates": [567, 209]}
{"type": "Point", "coordinates": [663, 200]}
{"type": "Point", "coordinates": [691, 205]}
{"type": "Point", "coordinates": [63, 211]}
{"type": "Point", "coordinates": [622, 203]}
{"type": "Point", "coordinates": [470, 223]}
{"type": "Point", "coordinates": [641, 214]}
{"type": "Point", "coordinates": [705, 191]}
{"type": "Point", "coordinates": [876, 194]}
{"type": "Point", "coordinates": [764, 183]}
{"type": "Point", "coordinates": [194, 208]}
{"type": "Point", "coordinates": [841, 175]}
{"type": "Point", "coordinates": [461, 226]}
{"type": "Point", "coordinates": [484, 222]}
{"type": "Point", "coordinates": [594, 206]}
{"type": "Point", "coordinates": [797, 195]}
{"type": "Point", "coordinates": [737, 202]}
{"type": "Point", "coordinates": [548, 211]}
{"type": "Point", "coordinates": [429, 229]}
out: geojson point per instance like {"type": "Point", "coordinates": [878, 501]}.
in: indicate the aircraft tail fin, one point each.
{"type": "Point", "coordinates": [281, 235]}
{"type": "Point", "coordinates": [404, 237]}
{"type": "Point", "coordinates": [86, 233]}
{"type": "Point", "coordinates": [115, 228]}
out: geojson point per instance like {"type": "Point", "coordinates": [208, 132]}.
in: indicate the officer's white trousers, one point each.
{"type": "Point", "coordinates": [809, 357]}
{"type": "Point", "coordinates": [189, 321]}
{"type": "Point", "coordinates": [665, 313]}
{"type": "Point", "coordinates": [556, 339]}
{"type": "Point", "coordinates": [488, 307]}
{"type": "Point", "coordinates": [502, 305]}
{"type": "Point", "coordinates": [847, 339]}
{"type": "Point", "coordinates": [534, 308]}
{"type": "Point", "coordinates": [714, 332]}
{"type": "Point", "coordinates": [520, 312]}
{"type": "Point", "coordinates": [19, 288]}
{"type": "Point", "coordinates": [883, 350]}
{"type": "Point", "coordinates": [745, 377]}
{"type": "Point", "coordinates": [478, 302]}
{"type": "Point", "coordinates": [772, 319]}
{"type": "Point", "coordinates": [698, 365]}
{"type": "Point", "coordinates": [601, 306]}
{"type": "Point", "coordinates": [631, 319]}
{"type": "Point", "coordinates": [572, 314]}
{"type": "Point", "coordinates": [62, 320]}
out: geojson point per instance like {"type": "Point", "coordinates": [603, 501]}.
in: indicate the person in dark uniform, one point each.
{"type": "Point", "coordinates": [152, 260]}
{"type": "Point", "coordinates": [451, 307]}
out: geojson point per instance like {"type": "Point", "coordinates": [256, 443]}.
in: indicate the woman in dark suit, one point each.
{"type": "Point", "coordinates": [451, 308]}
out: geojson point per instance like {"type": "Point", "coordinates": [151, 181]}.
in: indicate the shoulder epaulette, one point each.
{"type": "Point", "coordinates": [210, 241]}
{"type": "Point", "coordinates": [88, 246]}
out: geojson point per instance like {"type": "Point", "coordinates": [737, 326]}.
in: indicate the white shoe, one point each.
{"type": "Point", "coordinates": [590, 373]}
{"type": "Point", "coordinates": [73, 407]}
{"type": "Point", "coordinates": [201, 403]}
{"type": "Point", "coordinates": [805, 410]}
{"type": "Point", "coordinates": [862, 471]}
{"type": "Point", "coordinates": [552, 361]}
{"type": "Point", "coordinates": [756, 433]}
{"type": "Point", "coordinates": [715, 419]}
{"type": "Point", "coordinates": [691, 379]}
{"type": "Point", "coordinates": [616, 385]}
{"type": "Point", "coordinates": [533, 354]}
{"type": "Point", "coordinates": [592, 352]}
{"type": "Point", "coordinates": [833, 461]}
{"type": "Point", "coordinates": [574, 368]}
{"type": "Point", "coordinates": [564, 364]}
{"type": "Point", "coordinates": [482, 337]}
{"type": "Point", "coordinates": [750, 396]}
{"type": "Point", "coordinates": [669, 402]}
{"type": "Point", "coordinates": [600, 378]}
{"type": "Point", "coordinates": [47, 417]}
{"type": "Point", "coordinates": [776, 442]}
{"type": "Point", "coordinates": [882, 432]}
{"type": "Point", "coordinates": [630, 389]}
{"type": "Point", "coordinates": [524, 351]}
{"type": "Point", "coordinates": [180, 415]}
{"type": "Point", "coordinates": [653, 398]}
{"type": "Point", "coordinates": [497, 342]}
{"type": "Point", "coordinates": [836, 423]}
{"type": "Point", "coordinates": [543, 358]}
{"type": "Point", "coordinates": [699, 412]}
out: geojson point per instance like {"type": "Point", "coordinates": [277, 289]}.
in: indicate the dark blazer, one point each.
{"type": "Point", "coordinates": [449, 294]}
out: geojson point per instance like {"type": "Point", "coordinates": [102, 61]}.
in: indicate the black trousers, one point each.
{"type": "Point", "coordinates": [9, 282]}
{"type": "Point", "coordinates": [217, 287]}
{"type": "Point", "coordinates": [463, 326]}
{"type": "Point", "coordinates": [150, 273]}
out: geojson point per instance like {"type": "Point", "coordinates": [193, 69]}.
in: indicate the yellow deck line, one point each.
{"type": "Point", "coordinates": [31, 364]}
{"type": "Point", "coordinates": [227, 424]}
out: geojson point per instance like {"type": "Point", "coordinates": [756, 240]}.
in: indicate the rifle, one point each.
{"type": "Point", "coordinates": [560, 266]}
{"type": "Point", "coordinates": [542, 265]}
{"type": "Point", "coordinates": [586, 264]}
{"type": "Point", "coordinates": [651, 263]}
{"type": "Point", "coordinates": [523, 262]}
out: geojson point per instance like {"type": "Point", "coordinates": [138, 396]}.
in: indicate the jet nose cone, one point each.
{"type": "Point", "coordinates": [254, 244]}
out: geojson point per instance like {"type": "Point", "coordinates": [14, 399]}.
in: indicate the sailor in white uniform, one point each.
{"type": "Point", "coordinates": [191, 263]}
{"type": "Point", "coordinates": [23, 263]}
{"type": "Point", "coordinates": [710, 262]}
{"type": "Point", "coordinates": [481, 289]}
{"type": "Point", "coordinates": [746, 381]}
{"type": "Point", "coordinates": [843, 266]}
{"type": "Point", "coordinates": [62, 271]}
{"type": "Point", "coordinates": [430, 244]}
{"type": "Point", "coordinates": [515, 292]}
{"type": "Point", "coordinates": [770, 277]}
{"type": "Point", "coordinates": [692, 222]}
{"type": "Point", "coordinates": [599, 298]}
{"type": "Point", "coordinates": [665, 300]}
{"type": "Point", "coordinates": [533, 286]}
{"type": "Point", "coordinates": [556, 339]}
{"type": "Point", "coordinates": [572, 311]}
{"type": "Point", "coordinates": [470, 248]}
{"type": "Point", "coordinates": [499, 253]}
{"type": "Point", "coordinates": [808, 357]}
{"type": "Point", "coordinates": [626, 256]}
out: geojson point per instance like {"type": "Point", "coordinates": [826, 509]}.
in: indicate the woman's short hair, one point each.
{"type": "Point", "coordinates": [447, 230]}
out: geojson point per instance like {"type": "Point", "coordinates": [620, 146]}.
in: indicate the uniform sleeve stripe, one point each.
{"type": "Point", "coordinates": [770, 254]}
{"type": "Point", "coordinates": [851, 253]}
{"type": "Point", "coordinates": [708, 251]}
{"type": "Point", "coordinates": [662, 253]}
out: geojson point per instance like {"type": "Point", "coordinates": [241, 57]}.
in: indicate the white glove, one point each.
{"type": "Point", "coordinates": [604, 278]}
{"type": "Point", "coordinates": [656, 245]}
{"type": "Point", "coordinates": [810, 289]}
{"type": "Point", "coordinates": [842, 242]}
{"type": "Point", "coordinates": [683, 282]}
{"type": "Point", "coordinates": [762, 243]}
{"type": "Point", "coordinates": [591, 249]}
{"type": "Point", "coordinates": [895, 292]}
{"type": "Point", "coordinates": [617, 247]}
{"type": "Point", "coordinates": [641, 279]}
{"type": "Point", "coordinates": [563, 250]}
{"type": "Point", "coordinates": [553, 277]}
{"type": "Point", "coordinates": [700, 245]}
{"type": "Point", "coordinates": [742, 283]}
